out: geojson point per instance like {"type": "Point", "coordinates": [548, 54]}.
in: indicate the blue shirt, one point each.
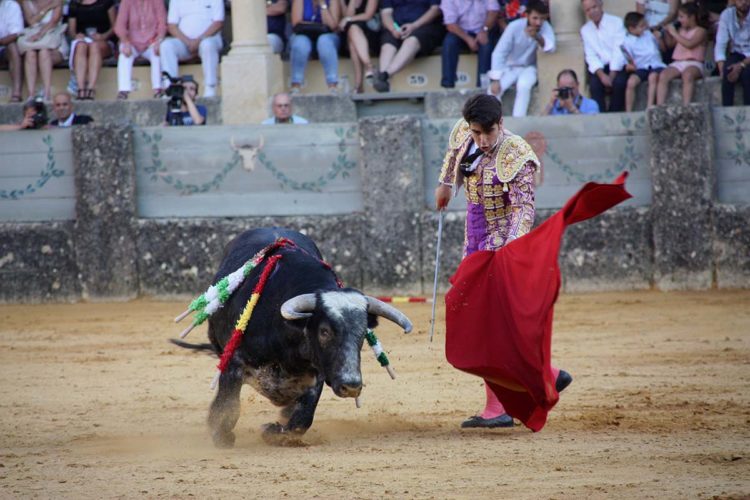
{"type": "Point", "coordinates": [408, 11]}
{"type": "Point", "coordinates": [585, 105]}
{"type": "Point", "coordinates": [730, 30]}
{"type": "Point", "coordinates": [187, 119]}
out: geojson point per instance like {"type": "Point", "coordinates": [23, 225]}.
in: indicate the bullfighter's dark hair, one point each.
{"type": "Point", "coordinates": [486, 110]}
{"type": "Point", "coordinates": [632, 19]}
{"type": "Point", "coordinates": [537, 6]}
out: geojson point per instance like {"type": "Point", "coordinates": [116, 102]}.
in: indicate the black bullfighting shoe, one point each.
{"type": "Point", "coordinates": [476, 421]}
{"type": "Point", "coordinates": [563, 380]}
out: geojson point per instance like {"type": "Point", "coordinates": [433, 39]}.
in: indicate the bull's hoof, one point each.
{"type": "Point", "coordinates": [223, 439]}
{"type": "Point", "coordinates": [276, 434]}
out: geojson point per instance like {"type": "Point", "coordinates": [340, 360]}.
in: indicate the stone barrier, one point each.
{"type": "Point", "coordinates": [682, 237]}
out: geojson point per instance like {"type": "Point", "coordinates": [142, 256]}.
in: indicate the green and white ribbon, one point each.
{"type": "Point", "coordinates": [217, 295]}
{"type": "Point", "coordinates": [377, 350]}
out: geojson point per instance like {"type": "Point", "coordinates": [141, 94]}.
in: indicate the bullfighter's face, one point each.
{"type": "Point", "coordinates": [486, 138]}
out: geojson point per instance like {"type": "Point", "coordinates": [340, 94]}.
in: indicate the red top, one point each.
{"type": "Point", "coordinates": [141, 22]}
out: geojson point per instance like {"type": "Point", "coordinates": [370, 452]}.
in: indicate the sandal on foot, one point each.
{"type": "Point", "coordinates": [122, 96]}
{"type": "Point", "coordinates": [81, 95]}
{"type": "Point", "coordinates": [15, 98]}
{"type": "Point", "coordinates": [90, 94]}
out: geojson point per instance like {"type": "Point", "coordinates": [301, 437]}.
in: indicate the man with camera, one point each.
{"type": "Point", "coordinates": [63, 109]}
{"type": "Point", "coordinates": [34, 117]}
{"type": "Point", "coordinates": [567, 100]}
{"type": "Point", "coordinates": [182, 109]}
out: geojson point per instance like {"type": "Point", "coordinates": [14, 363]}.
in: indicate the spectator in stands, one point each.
{"type": "Point", "coordinates": [314, 23]}
{"type": "Point", "coordinates": [689, 42]}
{"type": "Point", "coordinates": [196, 32]}
{"type": "Point", "coordinates": [91, 25]}
{"type": "Point", "coordinates": [11, 26]}
{"type": "Point", "coordinates": [732, 51]}
{"type": "Point", "coordinates": [43, 43]}
{"type": "Point", "coordinates": [410, 28]}
{"type": "Point", "coordinates": [141, 26]}
{"type": "Point", "coordinates": [281, 107]}
{"type": "Point", "coordinates": [713, 8]}
{"type": "Point", "coordinates": [62, 106]}
{"type": "Point", "coordinates": [640, 57]}
{"type": "Point", "coordinates": [659, 13]}
{"type": "Point", "coordinates": [567, 99]}
{"type": "Point", "coordinates": [276, 24]}
{"type": "Point", "coordinates": [468, 26]}
{"type": "Point", "coordinates": [602, 36]}
{"type": "Point", "coordinates": [190, 112]}
{"type": "Point", "coordinates": [514, 57]}
{"type": "Point", "coordinates": [356, 27]}
{"type": "Point", "coordinates": [510, 10]}
{"type": "Point", "coordinates": [34, 117]}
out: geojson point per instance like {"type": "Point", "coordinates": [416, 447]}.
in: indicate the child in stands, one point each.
{"type": "Point", "coordinates": [641, 56]}
{"type": "Point", "coordinates": [689, 42]}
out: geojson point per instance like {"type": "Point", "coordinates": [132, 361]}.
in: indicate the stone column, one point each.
{"type": "Point", "coordinates": [393, 191]}
{"type": "Point", "coordinates": [682, 167]}
{"type": "Point", "coordinates": [104, 230]}
{"type": "Point", "coordinates": [567, 18]}
{"type": "Point", "coordinates": [251, 72]}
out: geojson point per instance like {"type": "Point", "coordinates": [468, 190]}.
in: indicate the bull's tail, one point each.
{"type": "Point", "coordinates": [194, 347]}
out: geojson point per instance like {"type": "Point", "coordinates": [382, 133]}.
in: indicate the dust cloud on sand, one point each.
{"type": "Point", "coordinates": [95, 403]}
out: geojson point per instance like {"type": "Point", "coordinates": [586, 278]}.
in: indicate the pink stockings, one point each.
{"type": "Point", "coordinates": [493, 407]}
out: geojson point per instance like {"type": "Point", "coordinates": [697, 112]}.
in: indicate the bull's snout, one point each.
{"type": "Point", "coordinates": [348, 389]}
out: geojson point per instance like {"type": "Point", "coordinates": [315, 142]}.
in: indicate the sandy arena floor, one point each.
{"type": "Point", "coordinates": [94, 403]}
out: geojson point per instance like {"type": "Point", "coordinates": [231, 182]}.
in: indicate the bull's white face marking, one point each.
{"type": "Point", "coordinates": [335, 303]}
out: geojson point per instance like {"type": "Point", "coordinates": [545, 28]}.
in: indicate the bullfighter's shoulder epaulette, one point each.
{"type": "Point", "coordinates": [513, 154]}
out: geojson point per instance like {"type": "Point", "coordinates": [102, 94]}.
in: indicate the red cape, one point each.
{"type": "Point", "coordinates": [499, 310]}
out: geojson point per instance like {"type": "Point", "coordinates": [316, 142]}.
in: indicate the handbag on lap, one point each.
{"type": "Point", "coordinates": [311, 30]}
{"type": "Point", "coordinates": [52, 39]}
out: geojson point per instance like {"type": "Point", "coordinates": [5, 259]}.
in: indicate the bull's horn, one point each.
{"type": "Point", "coordinates": [380, 308]}
{"type": "Point", "coordinates": [298, 307]}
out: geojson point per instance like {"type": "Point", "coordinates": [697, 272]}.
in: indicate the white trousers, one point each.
{"type": "Point", "coordinates": [524, 78]}
{"type": "Point", "coordinates": [125, 68]}
{"type": "Point", "coordinates": [173, 51]}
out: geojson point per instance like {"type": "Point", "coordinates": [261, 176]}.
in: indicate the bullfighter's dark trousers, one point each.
{"type": "Point", "coordinates": [727, 87]}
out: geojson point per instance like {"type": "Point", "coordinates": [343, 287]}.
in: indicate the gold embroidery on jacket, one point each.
{"type": "Point", "coordinates": [514, 153]}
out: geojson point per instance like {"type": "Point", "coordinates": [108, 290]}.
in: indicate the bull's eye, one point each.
{"type": "Point", "coordinates": [324, 334]}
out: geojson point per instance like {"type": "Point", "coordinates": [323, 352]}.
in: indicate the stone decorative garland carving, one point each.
{"type": "Point", "coordinates": [741, 154]}
{"type": "Point", "coordinates": [342, 165]}
{"type": "Point", "coordinates": [629, 159]}
{"type": "Point", "coordinates": [45, 175]}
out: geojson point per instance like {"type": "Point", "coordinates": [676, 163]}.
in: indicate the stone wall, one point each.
{"type": "Point", "coordinates": [684, 240]}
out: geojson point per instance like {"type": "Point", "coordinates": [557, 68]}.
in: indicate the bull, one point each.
{"type": "Point", "coordinates": [304, 332]}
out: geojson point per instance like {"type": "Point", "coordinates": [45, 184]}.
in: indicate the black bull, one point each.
{"type": "Point", "coordinates": [304, 331]}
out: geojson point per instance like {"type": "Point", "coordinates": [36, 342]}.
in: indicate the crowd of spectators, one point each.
{"type": "Point", "coordinates": [36, 35]}
{"type": "Point", "coordinates": [661, 40]}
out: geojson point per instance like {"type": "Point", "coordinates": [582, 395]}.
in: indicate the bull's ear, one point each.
{"type": "Point", "coordinates": [372, 321]}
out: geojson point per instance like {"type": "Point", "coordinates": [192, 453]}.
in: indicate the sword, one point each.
{"type": "Point", "coordinates": [437, 269]}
